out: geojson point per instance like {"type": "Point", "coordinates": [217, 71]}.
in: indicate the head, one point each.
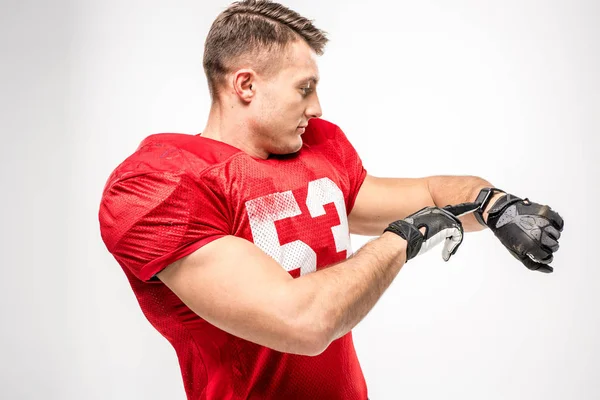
{"type": "Point", "coordinates": [260, 60]}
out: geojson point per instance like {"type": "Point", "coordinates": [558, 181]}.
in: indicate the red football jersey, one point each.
{"type": "Point", "coordinates": [178, 192]}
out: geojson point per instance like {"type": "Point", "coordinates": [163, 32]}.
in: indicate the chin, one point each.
{"type": "Point", "coordinates": [288, 148]}
{"type": "Point", "coordinates": [297, 145]}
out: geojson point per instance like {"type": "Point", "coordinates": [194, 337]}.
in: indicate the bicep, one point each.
{"type": "Point", "coordinates": [381, 201]}
{"type": "Point", "coordinates": [238, 288]}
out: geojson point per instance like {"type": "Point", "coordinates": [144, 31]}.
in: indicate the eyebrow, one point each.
{"type": "Point", "coordinates": [312, 78]}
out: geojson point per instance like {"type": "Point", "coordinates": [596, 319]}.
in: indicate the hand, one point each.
{"type": "Point", "coordinates": [440, 226]}
{"type": "Point", "coordinates": [529, 231]}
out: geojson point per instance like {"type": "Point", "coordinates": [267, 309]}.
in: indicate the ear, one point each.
{"type": "Point", "coordinates": [244, 82]}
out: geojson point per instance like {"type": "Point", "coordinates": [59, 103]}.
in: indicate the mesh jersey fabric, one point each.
{"type": "Point", "coordinates": [178, 192]}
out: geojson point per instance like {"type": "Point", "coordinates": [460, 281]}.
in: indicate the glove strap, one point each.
{"type": "Point", "coordinates": [410, 233]}
{"type": "Point", "coordinates": [482, 200]}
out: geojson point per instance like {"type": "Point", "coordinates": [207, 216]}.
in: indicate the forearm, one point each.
{"type": "Point", "coordinates": [447, 190]}
{"type": "Point", "coordinates": [383, 200]}
{"type": "Point", "coordinates": [340, 296]}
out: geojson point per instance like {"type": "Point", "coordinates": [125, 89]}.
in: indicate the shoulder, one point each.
{"type": "Point", "coordinates": [168, 172]}
{"type": "Point", "coordinates": [172, 154]}
{"type": "Point", "coordinates": [326, 135]}
{"type": "Point", "coordinates": [319, 131]}
{"type": "Point", "coordinates": [160, 188]}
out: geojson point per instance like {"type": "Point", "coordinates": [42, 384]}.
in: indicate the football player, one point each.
{"type": "Point", "coordinates": [236, 241]}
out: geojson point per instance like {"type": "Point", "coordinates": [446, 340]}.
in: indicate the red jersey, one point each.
{"type": "Point", "coordinates": [178, 192]}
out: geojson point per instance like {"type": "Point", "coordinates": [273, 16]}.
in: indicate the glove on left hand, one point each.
{"type": "Point", "coordinates": [529, 231]}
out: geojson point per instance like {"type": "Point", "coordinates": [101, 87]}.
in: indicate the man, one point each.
{"type": "Point", "coordinates": [236, 241]}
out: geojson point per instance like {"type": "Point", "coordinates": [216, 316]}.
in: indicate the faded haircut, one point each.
{"type": "Point", "coordinates": [254, 32]}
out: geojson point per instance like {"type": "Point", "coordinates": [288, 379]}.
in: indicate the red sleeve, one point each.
{"type": "Point", "coordinates": [353, 166]}
{"type": "Point", "coordinates": [149, 221]}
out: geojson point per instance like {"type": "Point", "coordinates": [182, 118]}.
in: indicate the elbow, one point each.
{"type": "Point", "coordinates": [308, 336]}
{"type": "Point", "coordinates": [318, 343]}
{"type": "Point", "coordinates": [306, 325]}
{"type": "Point", "coordinates": [309, 340]}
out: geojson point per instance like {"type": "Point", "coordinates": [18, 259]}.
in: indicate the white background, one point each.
{"type": "Point", "coordinates": [509, 91]}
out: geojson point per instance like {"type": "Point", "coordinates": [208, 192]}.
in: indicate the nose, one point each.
{"type": "Point", "coordinates": [314, 108]}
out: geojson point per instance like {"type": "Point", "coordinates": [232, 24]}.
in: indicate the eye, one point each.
{"type": "Point", "coordinates": [306, 90]}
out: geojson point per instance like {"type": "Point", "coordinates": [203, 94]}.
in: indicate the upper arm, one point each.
{"type": "Point", "coordinates": [175, 227]}
{"type": "Point", "coordinates": [381, 201]}
{"type": "Point", "coordinates": [238, 288]}
{"type": "Point", "coordinates": [150, 220]}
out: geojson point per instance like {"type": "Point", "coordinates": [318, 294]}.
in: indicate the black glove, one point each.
{"type": "Point", "coordinates": [529, 231]}
{"type": "Point", "coordinates": [440, 225]}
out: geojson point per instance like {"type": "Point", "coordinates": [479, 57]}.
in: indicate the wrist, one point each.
{"type": "Point", "coordinates": [413, 237]}
{"type": "Point", "coordinates": [492, 201]}
{"type": "Point", "coordinates": [396, 242]}
{"type": "Point", "coordinates": [486, 198]}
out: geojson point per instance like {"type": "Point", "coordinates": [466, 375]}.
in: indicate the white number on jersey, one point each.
{"type": "Point", "coordinates": [265, 210]}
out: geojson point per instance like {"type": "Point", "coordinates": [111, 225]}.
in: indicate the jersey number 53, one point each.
{"type": "Point", "coordinates": [265, 210]}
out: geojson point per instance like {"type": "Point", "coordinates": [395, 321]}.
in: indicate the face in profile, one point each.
{"type": "Point", "coordinates": [286, 101]}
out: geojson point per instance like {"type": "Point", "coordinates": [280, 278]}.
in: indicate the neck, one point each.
{"type": "Point", "coordinates": [225, 126]}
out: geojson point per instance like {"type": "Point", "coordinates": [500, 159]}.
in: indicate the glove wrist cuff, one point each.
{"type": "Point", "coordinates": [497, 209]}
{"type": "Point", "coordinates": [482, 201]}
{"type": "Point", "coordinates": [410, 233]}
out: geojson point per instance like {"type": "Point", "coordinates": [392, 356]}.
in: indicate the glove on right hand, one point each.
{"type": "Point", "coordinates": [440, 226]}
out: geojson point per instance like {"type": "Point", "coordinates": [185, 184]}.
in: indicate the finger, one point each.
{"type": "Point", "coordinates": [548, 240]}
{"type": "Point", "coordinates": [534, 266]}
{"type": "Point", "coordinates": [545, 260]}
{"type": "Point", "coordinates": [449, 213]}
{"type": "Point", "coordinates": [452, 243]}
{"type": "Point", "coordinates": [553, 232]}
{"type": "Point", "coordinates": [553, 217]}
{"type": "Point", "coordinates": [539, 253]}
